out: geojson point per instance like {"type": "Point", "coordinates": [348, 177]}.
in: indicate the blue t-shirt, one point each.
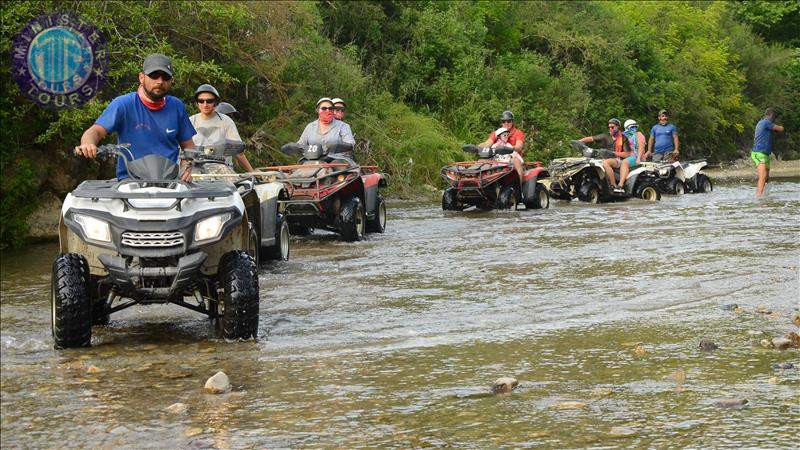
{"type": "Point", "coordinates": [763, 138]}
{"type": "Point", "coordinates": [147, 131]}
{"type": "Point", "coordinates": [663, 137]}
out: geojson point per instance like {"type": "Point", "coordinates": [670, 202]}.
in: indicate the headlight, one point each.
{"type": "Point", "coordinates": [663, 172]}
{"type": "Point", "coordinates": [94, 229]}
{"type": "Point", "coordinates": [210, 227]}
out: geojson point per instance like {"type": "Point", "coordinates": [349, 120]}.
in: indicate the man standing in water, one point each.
{"type": "Point", "coordinates": [664, 136]}
{"type": "Point", "coordinates": [148, 119]}
{"type": "Point", "coordinates": [762, 147]}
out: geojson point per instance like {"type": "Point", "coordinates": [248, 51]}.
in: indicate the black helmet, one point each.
{"type": "Point", "coordinates": [206, 88]}
{"type": "Point", "coordinates": [615, 121]}
{"type": "Point", "coordinates": [507, 115]}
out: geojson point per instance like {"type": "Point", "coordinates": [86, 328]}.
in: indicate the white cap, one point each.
{"type": "Point", "coordinates": [324, 99]}
{"type": "Point", "coordinates": [338, 100]}
{"type": "Point", "coordinates": [500, 131]}
{"type": "Point", "coordinates": [630, 123]}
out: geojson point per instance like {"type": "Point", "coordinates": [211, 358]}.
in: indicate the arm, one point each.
{"type": "Point", "coordinates": [347, 134]}
{"type": "Point", "coordinates": [650, 143]}
{"type": "Point", "coordinates": [778, 128]}
{"type": "Point", "coordinates": [186, 175]}
{"type": "Point", "coordinates": [304, 137]}
{"type": "Point", "coordinates": [241, 159]}
{"type": "Point", "coordinates": [487, 143]}
{"type": "Point", "coordinates": [640, 154]}
{"type": "Point", "coordinates": [518, 147]}
{"type": "Point", "coordinates": [586, 140]}
{"type": "Point", "coordinates": [91, 137]}
{"type": "Point", "coordinates": [675, 142]}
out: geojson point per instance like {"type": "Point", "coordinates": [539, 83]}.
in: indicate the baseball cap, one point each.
{"type": "Point", "coordinates": [338, 100]}
{"type": "Point", "coordinates": [156, 62]}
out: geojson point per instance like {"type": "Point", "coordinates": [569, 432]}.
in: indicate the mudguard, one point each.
{"type": "Point", "coordinates": [531, 177]}
{"type": "Point", "coordinates": [268, 195]}
{"type": "Point", "coordinates": [371, 184]}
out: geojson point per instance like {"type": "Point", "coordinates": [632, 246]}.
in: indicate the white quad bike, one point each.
{"type": "Point", "coordinates": [152, 238]}
{"type": "Point", "coordinates": [678, 178]}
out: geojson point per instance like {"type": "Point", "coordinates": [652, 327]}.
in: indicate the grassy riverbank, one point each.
{"type": "Point", "coordinates": [745, 170]}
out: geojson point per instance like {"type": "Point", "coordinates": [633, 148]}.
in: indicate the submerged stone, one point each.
{"type": "Point", "coordinates": [730, 307]}
{"type": "Point", "coordinates": [707, 345]}
{"type": "Point", "coordinates": [504, 385]}
{"type": "Point", "coordinates": [177, 408]}
{"type": "Point", "coordinates": [731, 402]}
{"type": "Point", "coordinates": [639, 350]}
{"type": "Point", "coordinates": [781, 343]}
{"type": "Point", "coordinates": [218, 384]}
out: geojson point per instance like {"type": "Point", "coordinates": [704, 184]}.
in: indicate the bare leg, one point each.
{"type": "Point", "coordinates": [518, 167]}
{"type": "Point", "coordinates": [608, 166]}
{"type": "Point", "coordinates": [624, 169]}
{"type": "Point", "coordinates": [763, 175]}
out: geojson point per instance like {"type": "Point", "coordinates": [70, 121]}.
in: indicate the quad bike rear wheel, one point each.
{"type": "Point", "coordinates": [506, 199]}
{"type": "Point", "coordinates": [704, 183]}
{"type": "Point", "coordinates": [279, 251]}
{"type": "Point", "coordinates": [237, 306]}
{"type": "Point", "coordinates": [676, 187]}
{"type": "Point", "coordinates": [589, 192]}
{"type": "Point", "coordinates": [540, 200]}
{"type": "Point", "coordinates": [378, 223]}
{"type": "Point", "coordinates": [449, 202]}
{"type": "Point", "coordinates": [70, 302]}
{"type": "Point", "coordinates": [649, 193]}
{"type": "Point", "coordinates": [352, 219]}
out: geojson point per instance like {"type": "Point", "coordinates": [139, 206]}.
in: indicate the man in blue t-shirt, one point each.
{"type": "Point", "coordinates": [664, 136]}
{"type": "Point", "coordinates": [762, 148]}
{"type": "Point", "coordinates": [149, 120]}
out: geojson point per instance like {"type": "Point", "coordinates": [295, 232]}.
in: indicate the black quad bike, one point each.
{"type": "Point", "coordinates": [491, 182]}
{"type": "Point", "coordinates": [585, 179]}
{"type": "Point", "coordinates": [152, 238]}
{"type": "Point", "coordinates": [330, 191]}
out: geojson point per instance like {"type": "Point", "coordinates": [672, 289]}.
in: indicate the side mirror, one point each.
{"type": "Point", "coordinates": [503, 151]}
{"type": "Point", "coordinates": [341, 147]}
{"type": "Point", "coordinates": [578, 145]}
{"type": "Point", "coordinates": [225, 108]}
{"type": "Point", "coordinates": [469, 148]}
{"type": "Point", "coordinates": [292, 148]}
{"type": "Point", "coordinates": [232, 148]}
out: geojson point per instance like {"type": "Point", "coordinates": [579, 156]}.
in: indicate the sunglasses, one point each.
{"type": "Point", "coordinates": [612, 127]}
{"type": "Point", "coordinates": [327, 108]}
{"type": "Point", "coordinates": [157, 75]}
{"type": "Point", "coordinates": [506, 121]}
{"type": "Point", "coordinates": [339, 108]}
{"type": "Point", "coordinates": [206, 100]}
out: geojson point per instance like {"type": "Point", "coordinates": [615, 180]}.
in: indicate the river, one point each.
{"type": "Point", "coordinates": [597, 310]}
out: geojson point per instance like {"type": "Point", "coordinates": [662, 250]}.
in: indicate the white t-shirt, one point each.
{"type": "Point", "coordinates": [214, 130]}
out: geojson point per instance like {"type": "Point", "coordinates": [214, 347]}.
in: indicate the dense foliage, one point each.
{"type": "Point", "coordinates": [422, 77]}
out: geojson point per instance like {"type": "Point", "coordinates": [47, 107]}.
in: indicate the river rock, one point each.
{"type": "Point", "coordinates": [766, 343]}
{"type": "Point", "coordinates": [707, 345]}
{"type": "Point", "coordinates": [639, 350]}
{"type": "Point", "coordinates": [93, 369]}
{"type": "Point", "coordinates": [762, 309]}
{"type": "Point", "coordinates": [504, 385]}
{"type": "Point", "coordinates": [781, 343]}
{"type": "Point", "coordinates": [731, 402]}
{"type": "Point", "coordinates": [773, 380]}
{"type": "Point", "coordinates": [194, 431]}
{"type": "Point", "coordinates": [796, 320]}
{"type": "Point", "coordinates": [218, 384]}
{"type": "Point", "coordinates": [621, 432]}
{"type": "Point", "coordinates": [754, 332]}
{"type": "Point", "coordinates": [730, 307]}
{"type": "Point", "coordinates": [795, 338]}
{"type": "Point", "coordinates": [569, 405]}
{"type": "Point", "coordinates": [783, 366]}
{"type": "Point", "coordinates": [177, 408]}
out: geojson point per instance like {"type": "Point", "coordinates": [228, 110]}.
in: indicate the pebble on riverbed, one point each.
{"type": "Point", "coordinates": [731, 402]}
{"type": "Point", "coordinates": [177, 408]}
{"type": "Point", "coordinates": [781, 343]}
{"type": "Point", "coordinates": [639, 350]}
{"type": "Point", "coordinates": [707, 345]}
{"type": "Point", "coordinates": [504, 385]}
{"type": "Point", "coordinates": [796, 320]}
{"type": "Point", "coordinates": [218, 384]}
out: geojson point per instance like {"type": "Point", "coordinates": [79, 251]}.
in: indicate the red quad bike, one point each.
{"type": "Point", "coordinates": [331, 192]}
{"type": "Point", "coordinates": [490, 183]}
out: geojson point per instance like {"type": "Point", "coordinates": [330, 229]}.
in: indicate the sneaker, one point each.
{"type": "Point", "coordinates": [619, 190]}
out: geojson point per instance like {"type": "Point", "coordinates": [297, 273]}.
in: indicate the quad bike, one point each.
{"type": "Point", "coordinates": [330, 191]}
{"type": "Point", "coordinates": [262, 200]}
{"type": "Point", "coordinates": [492, 183]}
{"type": "Point", "coordinates": [153, 238]}
{"type": "Point", "coordinates": [585, 179]}
{"type": "Point", "coordinates": [676, 178]}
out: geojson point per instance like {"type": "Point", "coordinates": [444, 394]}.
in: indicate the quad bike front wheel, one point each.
{"type": "Point", "coordinates": [70, 302]}
{"type": "Point", "coordinates": [352, 219]}
{"type": "Point", "coordinates": [506, 199]}
{"type": "Point", "coordinates": [541, 198]}
{"type": "Point", "coordinates": [378, 223]}
{"type": "Point", "coordinates": [449, 202]}
{"type": "Point", "coordinates": [237, 306]}
{"type": "Point", "coordinates": [254, 244]}
{"type": "Point", "coordinates": [649, 193]}
{"type": "Point", "coordinates": [279, 251]}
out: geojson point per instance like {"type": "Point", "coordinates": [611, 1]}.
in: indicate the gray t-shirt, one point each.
{"type": "Point", "coordinates": [214, 131]}
{"type": "Point", "coordinates": [338, 133]}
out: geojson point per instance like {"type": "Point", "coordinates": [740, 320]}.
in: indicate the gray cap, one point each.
{"type": "Point", "coordinates": [156, 62]}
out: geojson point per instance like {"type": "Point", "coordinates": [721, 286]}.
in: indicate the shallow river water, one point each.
{"type": "Point", "coordinates": [597, 310]}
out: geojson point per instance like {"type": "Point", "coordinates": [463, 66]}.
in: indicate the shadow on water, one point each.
{"type": "Point", "coordinates": [393, 341]}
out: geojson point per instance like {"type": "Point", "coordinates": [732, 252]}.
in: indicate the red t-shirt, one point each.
{"type": "Point", "coordinates": [515, 135]}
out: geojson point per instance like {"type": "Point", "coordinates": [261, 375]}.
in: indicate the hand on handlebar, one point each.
{"type": "Point", "coordinates": [186, 175]}
{"type": "Point", "coordinates": [86, 150]}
